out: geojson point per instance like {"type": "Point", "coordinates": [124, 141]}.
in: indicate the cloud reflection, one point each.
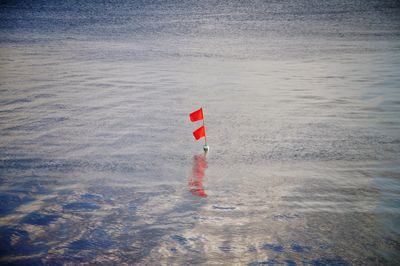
{"type": "Point", "coordinates": [198, 173]}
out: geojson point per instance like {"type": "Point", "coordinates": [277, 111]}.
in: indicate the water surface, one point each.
{"type": "Point", "coordinates": [98, 164]}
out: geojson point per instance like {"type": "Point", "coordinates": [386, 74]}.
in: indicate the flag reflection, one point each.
{"type": "Point", "coordinates": [196, 178]}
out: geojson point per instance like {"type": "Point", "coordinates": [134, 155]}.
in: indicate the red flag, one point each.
{"type": "Point", "coordinates": [199, 133]}
{"type": "Point", "coordinates": [196, 115]}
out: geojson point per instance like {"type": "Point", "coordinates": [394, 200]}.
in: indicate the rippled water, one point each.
{"type": "Point", "coordinates": [97, 160]}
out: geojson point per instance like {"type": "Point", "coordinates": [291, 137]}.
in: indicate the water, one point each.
{"type": "Point", "coordinates": [98, 164]}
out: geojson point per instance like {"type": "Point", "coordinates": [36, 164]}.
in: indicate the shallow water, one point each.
{"type": "Point", "coordinates": [97, 160]}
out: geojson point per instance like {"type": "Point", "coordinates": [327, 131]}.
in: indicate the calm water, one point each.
{"type": "Point", "coordinates": [97, 160]}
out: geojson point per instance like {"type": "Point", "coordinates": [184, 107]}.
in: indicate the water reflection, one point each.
{"type": "Point", "coordinates": [197, 175]}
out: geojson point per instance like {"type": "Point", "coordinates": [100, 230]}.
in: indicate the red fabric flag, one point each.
{"type": "Point", "coordinates": [196, 115]}
{"type": "Point", "coordinates": [199, 133]}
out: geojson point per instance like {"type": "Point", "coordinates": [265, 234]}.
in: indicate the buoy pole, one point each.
{"type": "Point", "coordinates": [206, 148]}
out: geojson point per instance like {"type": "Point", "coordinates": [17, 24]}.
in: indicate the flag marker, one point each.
{"type": "Point", "coordinates": [201, 131]}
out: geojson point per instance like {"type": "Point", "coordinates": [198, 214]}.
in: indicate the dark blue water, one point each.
{"type": "Point", "coordinates": [97, 160]}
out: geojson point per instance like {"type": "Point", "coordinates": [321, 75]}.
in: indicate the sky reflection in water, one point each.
{"type": "Point", "coordinates": [96, 149]}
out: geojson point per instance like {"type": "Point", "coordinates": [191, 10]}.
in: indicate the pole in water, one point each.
{"type": "Point", "coordinates": [201, 131]}
{"type": "Point", "coordinates": [205, 147]}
